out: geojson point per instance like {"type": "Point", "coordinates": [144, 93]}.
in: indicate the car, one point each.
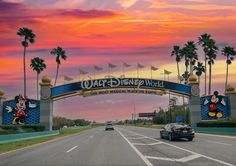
{"type": "Point", "coordinates": [173, 131]}
{"type": "Point", "coordinates": [109, 126]}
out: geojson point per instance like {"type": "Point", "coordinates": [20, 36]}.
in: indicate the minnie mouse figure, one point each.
{"type": "Point", "coordinates": [22, 105]}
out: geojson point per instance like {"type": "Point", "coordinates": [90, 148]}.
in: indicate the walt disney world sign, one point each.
{"type": "Point", "coordinates": [119, 85]}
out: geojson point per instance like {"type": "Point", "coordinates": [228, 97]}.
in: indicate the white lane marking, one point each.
{"type": "Point", "coordinates": [188, 158]}
{"type": "Point", "coordinates": [91, 136]}
{"type": "Point", "coordinates": [219, 143]}
{"type": "Point", "coordinates": [215, 135]}
{"type": "Point", "coordinates": [183, 160]}
{"type": "Point", "coordinates": [160, 158]}
{"type": "Point", "coordinates": [147, 162]}
{"type": "Point", "coordinates": [210, 158]}
{"type": "Point", "coordinates": [156, 143]}
{"type": "Point", "coordinates": [136, 138]}
{"type": "Point", "coordinates": [71, 149]}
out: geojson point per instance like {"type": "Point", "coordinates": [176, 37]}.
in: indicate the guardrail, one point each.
{"type": "Point", "coordinates": [26, 136]}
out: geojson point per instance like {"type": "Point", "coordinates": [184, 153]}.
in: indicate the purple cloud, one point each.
{"type": "Point", "coordinates": [88, 13]}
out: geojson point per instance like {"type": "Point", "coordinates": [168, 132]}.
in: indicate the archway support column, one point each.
{"type": "Point", "coordinates": [194, 101]}
{"type": "Point", "coordinates": [231, 94]}
{"type": "Point", "coordinates": [46, 103]}
{"type": "Point", "coordinates": [1, 104]}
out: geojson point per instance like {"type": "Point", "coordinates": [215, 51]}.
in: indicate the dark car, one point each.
{"type": "Point", "coordinates": [109, 126]}
{"type": "Point", "coordinates": [173, 131]}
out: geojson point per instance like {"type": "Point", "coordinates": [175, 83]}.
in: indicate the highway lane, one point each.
{"type": "Point", "coordinates": [131, 146]}
{"type": "Point", "coordinates": [95, 147]}
{"type": "Point", "coordinates": [208, 149]}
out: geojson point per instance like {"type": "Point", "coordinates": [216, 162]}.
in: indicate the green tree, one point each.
{"type": "Point", "coordinates": [189, 52]}
{"type": "Point", "coordinates": [60, 54]}
{"type": "Point", "coordinates": [38, 65]}
{"type": "Point", "coordinates": [59, 122]}
{"type": "Point", "coordinates": [211, 56]}
{"type": "Point", "coordinates": [178, 56]}
{"type": "Point", "coordinates": [229, 52]}
{"type": "Point", "coordinates": [199, 70]}
{"type": "Point", "coordinates": [28, 37]}
{"type": "Point", "coordinates": [203, 40]}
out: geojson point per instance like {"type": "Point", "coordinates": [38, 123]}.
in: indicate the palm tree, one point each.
{"type": "Point", "coordinates": [229, 52]}
{"type": "Point", "coordinates": [189, 52]}
{"type": "Point", "coordinates": [29, 37]}
{"type": "Point", "coordinates": [211, 56]}
{"type": "Point", "coordinates": [178, 56]}
{"type": "Point", "coordinates": [186, 75]}
{"type": "Point", "coordinates": [199, 70]}
{"type": "Point", "coordinates": [203, 40]}
{"type": "Point", "coordinates": [60, 54]}
{"type": "Point", "coordinates": [38, 65]}
{"type": "Point", "coordinates": [192, 54]}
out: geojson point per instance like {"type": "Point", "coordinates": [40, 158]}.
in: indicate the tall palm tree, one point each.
{"type": "Point", "coordinates": [38, 65]}
{"type": "Point", "coordinates": [203, 40]}
{"type": "Point", "coordinates": [186, 63]}
{"type": "Point", "coordinates": [199, 70]}
{"type": "Point", "coordinates": [60, 54]}
{"type": "Point", "coordinates": [178, 56]}
{"type": "Point", "coordinates": [229, 52]}
{"type": "Point", "coordinates": [189, 52]}
{"type": "Point", "coordinates": [211, 56]}
{"type": "Point", "coordinates": [192, 54]}
{"type": "Point", "coordinates": [29, 37]}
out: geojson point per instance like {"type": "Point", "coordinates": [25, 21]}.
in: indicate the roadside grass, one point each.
{"type": "Point", "coordinates": [22, 144]}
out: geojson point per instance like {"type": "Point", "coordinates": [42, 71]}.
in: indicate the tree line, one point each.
{"type": "Point", "coordinates": [60, 122]}
{"type": "Point", "coordinates": [188, 53]}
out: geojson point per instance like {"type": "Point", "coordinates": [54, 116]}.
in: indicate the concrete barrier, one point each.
{"type": "Point", "coordinates": [26, 136]}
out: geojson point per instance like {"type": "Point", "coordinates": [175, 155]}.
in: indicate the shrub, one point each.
{"type": "Point", "coordinates": [218, 123]}
{"type": "Point", "coordinates": [14, 129]}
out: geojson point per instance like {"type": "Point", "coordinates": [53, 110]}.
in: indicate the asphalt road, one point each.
{"type": "Point", "coordinates": [131, 146]}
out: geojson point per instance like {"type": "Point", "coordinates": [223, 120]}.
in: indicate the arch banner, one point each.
{"type": "Point", "coordinates": [119, 83]}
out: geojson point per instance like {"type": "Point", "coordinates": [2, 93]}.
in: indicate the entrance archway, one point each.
{"type": "Point", "coordinates": [49, 94]}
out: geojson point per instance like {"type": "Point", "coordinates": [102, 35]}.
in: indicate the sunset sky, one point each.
{"type": "Point", "coordinates": [98, 32]}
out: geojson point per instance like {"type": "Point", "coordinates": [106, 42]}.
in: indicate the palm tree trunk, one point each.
{"type": "Point", "coordinates": [178, 72]}
{"type": "Point", "coordinates": [186, 70]}
{"type": "Point", "coordinates": [209, 90]}
{"type": "Point", "coordinates": [37, 86]}
{"type": "Point", "coordinates": [24, 70]}
{"type": "Point", "coordinates": [56, 74]}
{"type": "Point", "coordinates": [191, 68]}
{"type": "Point", "coordinates": [227, 73]}
{"type": "Point", "coordinates": [205, 75]}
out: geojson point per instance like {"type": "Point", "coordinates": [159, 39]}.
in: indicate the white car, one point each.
{"type": "Point", "coordinates": [109, 126]}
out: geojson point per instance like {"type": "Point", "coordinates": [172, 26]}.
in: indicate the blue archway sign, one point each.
{"type": "Point", "coordinates": [119, 83]}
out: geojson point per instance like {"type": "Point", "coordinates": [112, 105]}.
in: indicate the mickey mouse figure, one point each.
{"type": "Point", "coordinates": [22, 104]}
{"type": "Point", "coordinates": [213, 110]}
